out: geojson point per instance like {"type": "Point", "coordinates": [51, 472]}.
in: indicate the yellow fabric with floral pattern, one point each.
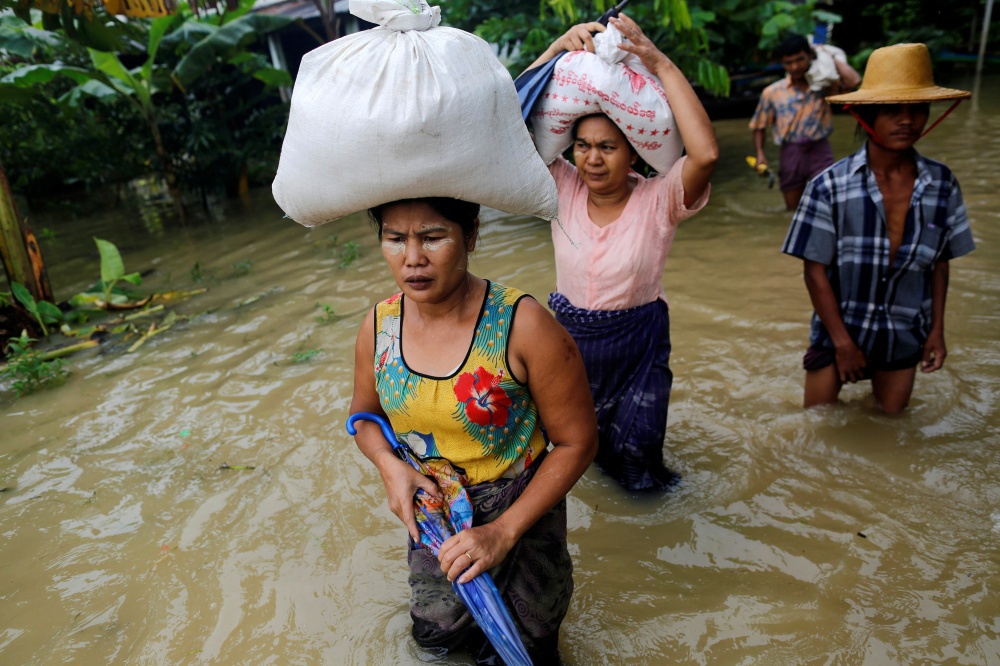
{"type": "Point", "coordinates": [480, 417]}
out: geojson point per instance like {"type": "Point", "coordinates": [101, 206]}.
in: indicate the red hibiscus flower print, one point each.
{"type": "Point", "coordinates": [485, 402]}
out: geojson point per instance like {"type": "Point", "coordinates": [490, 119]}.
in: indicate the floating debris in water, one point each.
{"type": "Point", "coordinates": [236, 467]}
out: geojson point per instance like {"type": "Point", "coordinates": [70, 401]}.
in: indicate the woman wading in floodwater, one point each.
{"type": "Point", "coordinates": [616, 231]}
{"type": "Point", "coordinates": [468, 370]}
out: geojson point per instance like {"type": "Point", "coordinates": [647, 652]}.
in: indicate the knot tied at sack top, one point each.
{"type": "Point", "coordinates": [398, 15]}
{"type": "Point", "coordinates": [606, 45]}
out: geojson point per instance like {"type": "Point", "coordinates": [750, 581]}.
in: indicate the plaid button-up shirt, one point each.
{"type": "Point", "coordinates": [840, 223]}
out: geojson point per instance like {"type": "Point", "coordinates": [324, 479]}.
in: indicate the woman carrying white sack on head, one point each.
{"type": "Point", "coordinates": [420, 125]}
{"type": "Point", "coordinates": [613, 236]}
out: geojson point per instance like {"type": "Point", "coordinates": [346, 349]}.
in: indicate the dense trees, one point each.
{"type": "Point", "coordinates": [90, 98]}
{"type": "Point", "coordinates": [183, 95]}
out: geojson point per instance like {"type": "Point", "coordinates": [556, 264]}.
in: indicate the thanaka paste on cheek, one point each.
{"type": "Point", "coordinates": [435, 245]}
{"type": "Point", "coordinates": [393, 247]}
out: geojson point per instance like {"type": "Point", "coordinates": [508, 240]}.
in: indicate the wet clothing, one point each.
{"type": "Point", "coordinates": [840, 223]}
{"type": "Point", "coordinates": [800, 162]}
{"type": "Point", "coordinates": [609, 283]}
{"type": "Point", "coordinates": [626, 354]}
{"type": "Point", "coordinates": [536, 580]}
{"type": "Point", "coordinates": [620, 265]}
{"type": "Point", "coordinates": [817, 358]}
{"type": "Point", "coordinates": [796, 116]}
{"type": "Point", "coordinates": [481, 418]}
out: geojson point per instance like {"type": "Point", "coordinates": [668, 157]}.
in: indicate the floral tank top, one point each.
{"type": "Point", "coordinates": [480, 418]}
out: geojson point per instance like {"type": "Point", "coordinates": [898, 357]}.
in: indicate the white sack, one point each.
{"type": "Point", "coordinates": [389, 114]}
{"type": "Point", "coordinates": [613, 82]}
{"type": "Point", "coordinates": [823, 70]}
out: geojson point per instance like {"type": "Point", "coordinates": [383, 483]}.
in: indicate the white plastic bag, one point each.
{"type": "Point", "coordinates": [613, 82]}
{"type": "Point", "coordinates": [406, 110]}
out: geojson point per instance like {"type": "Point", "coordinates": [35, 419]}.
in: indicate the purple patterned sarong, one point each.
{"type": "Point", "coordinates": [626, 354]}
{"type": "Point", "coordinates": [536, 581]}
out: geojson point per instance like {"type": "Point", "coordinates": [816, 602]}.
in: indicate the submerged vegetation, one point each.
{"type": "Point", "coordinates": [124, 319]}
{"type": "Point", "coordinates": [28, 370]}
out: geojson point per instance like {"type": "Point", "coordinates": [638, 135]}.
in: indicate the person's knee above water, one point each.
{"type": "Point", "coordinates": [612, 239]}
{"type": "Point", "coordinates": [876, 268]}
{"type": "Point", "coordinates": [799, 117]}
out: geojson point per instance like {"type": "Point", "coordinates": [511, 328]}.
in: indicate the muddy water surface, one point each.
{"type": "Point", "coordinates": [835, 536]}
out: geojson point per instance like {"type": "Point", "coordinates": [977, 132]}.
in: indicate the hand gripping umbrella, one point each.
{"type": "Point", "coordinates": [438, 519]}
{"type": "Point", "coordinates": [532, 82]}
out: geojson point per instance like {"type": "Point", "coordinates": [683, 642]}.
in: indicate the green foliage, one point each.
{"type": "Point", "coordinates": [300, 357]}
{"type": "Point", "coordinates": [26, 370]}
{"type": "Point", "coordinates": [902, 21]}
{"type": "Point", "coordinates": [677, 28]}
{"type": "Point", "coordinates": [707, 39]}
{"type": "Point", "coordinates": [201, 273]}
{"type": "Point", "coordinates": [346, 253]}
{"type": "Point", "coordinates": [43, 311]}
{"type": "Point", "coordinates": [241, 268]}
{"type": "Point", "coordinates": [84, 113]}
{"type": "Point", "coordinates": [227, 44]}
{"type": "Point", "coordinates": [329, 314]}
{"type": "Point", "coordinates": [113, 268]}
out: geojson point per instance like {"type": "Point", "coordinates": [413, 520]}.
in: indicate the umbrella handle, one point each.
{"type": "Point", "coordinates": [387, 431]}
{"type": "Point", "coordinates": [612, 13]}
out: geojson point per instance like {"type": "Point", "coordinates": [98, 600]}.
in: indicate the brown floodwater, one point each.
{"type": "Point", "coordinates": [833, 536]}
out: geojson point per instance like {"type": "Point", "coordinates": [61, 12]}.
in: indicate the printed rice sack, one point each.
{"type": "Point", "coordinates": [613, 82]}
{"type": "Point", "coordinates": [405, 110]}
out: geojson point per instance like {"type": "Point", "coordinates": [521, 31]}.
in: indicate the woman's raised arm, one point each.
{"type": "Point", "coordinates": [692, 119]}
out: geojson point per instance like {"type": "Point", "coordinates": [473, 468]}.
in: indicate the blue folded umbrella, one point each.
{"type": "Point", "coordinates": [438, 519]}
{"type": "Point", "coordinates": [532, 82]}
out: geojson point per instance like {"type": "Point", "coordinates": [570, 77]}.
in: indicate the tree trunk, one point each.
{"type": "Point", "coordinates": [168, 171]}
{"type": "Point", "coordinates": [22, 258]}
{"type": "Point", "coordinates": [331, 24]}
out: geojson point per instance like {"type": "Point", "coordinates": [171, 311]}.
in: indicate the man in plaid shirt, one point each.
{"type": "Point", "coordinates": [876, 232]}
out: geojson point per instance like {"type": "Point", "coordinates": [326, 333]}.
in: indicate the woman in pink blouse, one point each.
{"type": "Point", "coordinates": [611, 242]}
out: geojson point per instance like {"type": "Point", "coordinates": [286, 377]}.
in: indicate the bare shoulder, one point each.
{"type": "Point", "coordinates": [537, 335]}
{"type": "Point", "coordinates": [531, 316]}
{"type": "Point", "coordinates": [366, 333]}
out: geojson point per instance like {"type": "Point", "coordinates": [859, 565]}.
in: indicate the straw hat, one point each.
{"type": "Point", "coordinates": [899, 74]}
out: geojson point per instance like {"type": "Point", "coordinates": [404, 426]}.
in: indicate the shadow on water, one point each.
{"type": "Point", "coordinates": [199, 501]}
